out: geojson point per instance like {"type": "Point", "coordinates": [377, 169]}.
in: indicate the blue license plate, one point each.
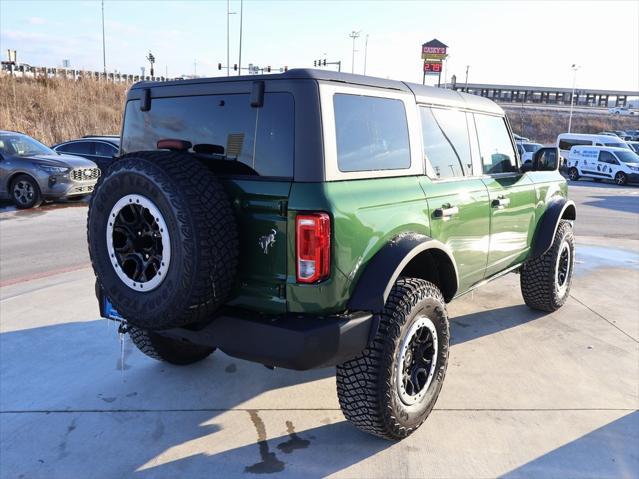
{"type": "Point", "coordinates": [110, 312]}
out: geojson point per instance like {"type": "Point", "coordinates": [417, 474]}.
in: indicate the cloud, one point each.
{"type": "Point", "coordinates": [36, 21]}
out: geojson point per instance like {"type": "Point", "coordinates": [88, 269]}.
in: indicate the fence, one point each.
{"type": "Point", "coordinates": [28, 71]}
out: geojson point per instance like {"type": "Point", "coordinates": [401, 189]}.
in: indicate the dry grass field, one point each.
{"type": "Point", "coordinates": [55, 110]}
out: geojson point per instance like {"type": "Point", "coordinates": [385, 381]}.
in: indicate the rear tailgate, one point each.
{"type": "Point", "coordinates": [260, 207]}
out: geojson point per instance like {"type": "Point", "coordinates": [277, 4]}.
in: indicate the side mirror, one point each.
{"type": "Point", "coordinates": [545, 159]}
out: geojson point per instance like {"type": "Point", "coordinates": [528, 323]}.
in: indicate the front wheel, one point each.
{"type": "Point", "coordinates": [390, 388]}
{"type": "Point", "coordinates": [25, 192]}
{"type": "Point", "coordinates": [545, 281]}
{"type": "Point", "coordinates": [621, 178]}
{"type": "Point", "coordinates": [573, 174]}
{"type": "Point", "coordinates": [168, 350]}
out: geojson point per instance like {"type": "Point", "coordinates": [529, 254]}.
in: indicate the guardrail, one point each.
{"type": "Point", "coordinates": [28, 71]}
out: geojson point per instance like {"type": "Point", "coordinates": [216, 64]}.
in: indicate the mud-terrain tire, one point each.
{"type": "Point", "coordinates": [168, 350]}
{"type": "Point", "coordinates": [372, 389]}
{"type": "Point", "coordinates": [25, 192]}
{"type": "Point", "coordinates": [573, 174]}
{"type": "Point", "coordinates": [162, 239]}
{"type": "Point", "coordinates": [545, 281]}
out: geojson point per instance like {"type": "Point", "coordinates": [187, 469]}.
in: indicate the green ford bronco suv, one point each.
{"type": "Point", "coordinates": [313, 219]}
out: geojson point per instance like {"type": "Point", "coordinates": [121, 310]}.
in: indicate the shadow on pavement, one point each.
{"type": "Point", "coordinates": [600, 453]}
{"type": "Point", "coordinates": [475, 325]}
{"type": "Point", "coordinates": [626, 203]}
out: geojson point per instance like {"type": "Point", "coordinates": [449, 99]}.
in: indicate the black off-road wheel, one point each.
{"type": "Point", "coordinates": [391, 387]}
{"type": "Point", "coordinates": [25, 192]}
{"type": "Point", "coordinates": [545, 281]}
{"type": "Point", "coordinates": [621, 178]}
{"type": "Point", "coordinates": [168, 350]}
{"type": "Point", "coordinates": [573, 174]}
{"type": "Point", "coordinates": [162, 239]}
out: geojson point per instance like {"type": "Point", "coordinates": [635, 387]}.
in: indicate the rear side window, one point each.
{"type": "Point", "coordinates": [495, 145]}
{"type": "Point", "coordinates": [568, 144]}
{"type": "Point", "coordinates": [78, 148]}
{"type": "Point", "coordinates": [262, 138]}
{"type": "Point", "coordinates": [104, 149]}
{"type": "Point", "coordinates": [371, 133]}
{"type": "Point", "coordinates": [446, 144]}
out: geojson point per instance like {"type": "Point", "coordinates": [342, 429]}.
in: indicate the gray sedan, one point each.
{"type": "Point", "coordinates": [31, 172]}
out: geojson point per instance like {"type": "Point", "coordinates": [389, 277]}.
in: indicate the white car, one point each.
{"type": "Point", "coordinates": [622, 110]}
{"type": "Point", "coordinates": [603, 162]}
{"type": "Point", "coordinates": [527, 150]}
{"type": "Point", "coordinates": [566, 141]}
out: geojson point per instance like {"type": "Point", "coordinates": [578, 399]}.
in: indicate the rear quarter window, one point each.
{"type": "Point", "coordinates": [261, 138]}
{"type": "Point", "coordinates": [371, 133]}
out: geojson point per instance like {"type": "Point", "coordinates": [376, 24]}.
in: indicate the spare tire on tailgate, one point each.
{"type": "Point", "coordinates": [162, 239]}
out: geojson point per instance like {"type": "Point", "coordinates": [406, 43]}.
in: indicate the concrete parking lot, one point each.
{"type": "Point", "coordinates": [527, 394]}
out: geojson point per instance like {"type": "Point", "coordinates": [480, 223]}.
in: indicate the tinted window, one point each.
{"type": "Point", "coordinates": [226, 121]}
{"type": "Point", "coordinates": [568, 144]}
{"type": "Point", "coordinates": [104, 149]}
{"type": "Point", "coordinates": [607, 157]}
{"type": "Point", "coordinates": [531, 147]}
{"type": "Point", "coordinates": [438, 147]}
{"type": "Point", "coordinates": [78, 148]}
{"type": "Point", "coordinates": [495, 146]}
{"type": "Point", "coordinates": [275, 140]}
{"type": "Point", "coordinates": [371, 133]}
{"type": "Point", "coordinates": [454, 126]}
{"type": "Point", "coordinates": [617, 145]}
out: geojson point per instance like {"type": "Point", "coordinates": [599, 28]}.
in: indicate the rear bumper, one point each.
{"type": "Point", "coordinates": [292, 342]}
{"type": "Point", "coordinates": [286, 341]}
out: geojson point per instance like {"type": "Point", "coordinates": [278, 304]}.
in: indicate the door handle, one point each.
{"type": "Point", "coordinates": [446, 212]}
{"type": "Point", "coordinates": [500, 202]}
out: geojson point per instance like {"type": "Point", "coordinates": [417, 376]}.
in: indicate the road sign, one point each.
{"type": "Point", "coordinates": [432, 68]}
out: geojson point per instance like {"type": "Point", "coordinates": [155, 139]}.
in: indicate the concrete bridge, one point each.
{"type": "Point", "coordinates": [548, 95]}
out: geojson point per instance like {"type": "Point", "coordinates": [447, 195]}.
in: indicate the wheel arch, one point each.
{"type": "Point", "coordinates": [557, 210]}
{"type": "Point", "coordinates": [408, 254]}
{"type": "Point", "coordinates": [14, 175]}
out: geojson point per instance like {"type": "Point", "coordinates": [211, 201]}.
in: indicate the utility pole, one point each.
{"type": "Point", "coordinates": [103, 42]}
{"type": "Point", "coordinates": [574, 68]}
{"type": "Point", "coordinates": [239, 69]}
{"type": "Point", "coordinates": [365, 53]}
{"type": "Point", "coordinates": [466, 86]}
{"type": "Point", "coordinates": [228, 54]}
{"type": "Point", "coordinates": [194, 68]}
{"type": "Point", "coordinates": [354, 35]}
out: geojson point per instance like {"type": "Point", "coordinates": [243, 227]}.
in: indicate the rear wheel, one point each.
{"type": "Point", "coordinates": [621, 178]}
{"type": "Point", "coordinates": [391, 387]}
{"type": "Point", "coordinates": [164, 349]}
{"type": "Point", "coordinates": [25, 192]}
{"type": "Point", "coordinates": [573, 174]}
{"type": "Point", "coordinates": [545, 281]}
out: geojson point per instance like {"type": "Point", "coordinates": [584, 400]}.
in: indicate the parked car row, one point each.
{"type": "Point", "coordinates": [604, 156]}
{"type": "Point", "coordinates": [628, 135]}
{"type": "Point", "coordinates": [31, 172]}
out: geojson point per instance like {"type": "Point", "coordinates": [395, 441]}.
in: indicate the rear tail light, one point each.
{"type": "Point", "coordinates": [313, 247]}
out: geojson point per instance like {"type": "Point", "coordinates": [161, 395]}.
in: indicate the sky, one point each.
{"type": "Point", "coordinates": [503, 42]}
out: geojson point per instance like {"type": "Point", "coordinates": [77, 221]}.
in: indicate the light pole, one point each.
{"type": "Point", "coordinates": [574, 68]}
{"type": "Point", "coordinates": [228, 54]}
{"type": "Point", "coordinates": [103, 41]}
{"type": "Point", "coordinates": [365, 53]}
{"type": "Point", "coordinates": [239, 68]}
{"type": "Point", "coordinates": [354, 35]}
{"type": "Point", "coordinates": [466, 86]}
{"type": "Point", "coordinates": [446, 70]}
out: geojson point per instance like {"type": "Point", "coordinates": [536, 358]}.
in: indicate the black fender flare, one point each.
{"type": "Point", "coordinates": [381, 272]}
{"type": "Point", "coordinates": [557, 209]}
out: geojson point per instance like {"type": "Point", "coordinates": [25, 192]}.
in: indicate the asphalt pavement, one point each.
{"type": "Point", "coordinates": [527, 394]}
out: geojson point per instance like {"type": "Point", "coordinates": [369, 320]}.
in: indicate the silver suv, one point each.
{"type": "Point", "coordinates": [31, 172]}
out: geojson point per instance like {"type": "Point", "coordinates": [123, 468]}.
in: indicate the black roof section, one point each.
{"type": "Point", "coordinates": [435, 43]}
{"type": "Point", "coordinates": [423, 94]}
{"type": "Point", "coordinates": [293, 74]}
